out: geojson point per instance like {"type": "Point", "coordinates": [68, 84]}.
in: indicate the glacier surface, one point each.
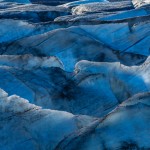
{"type": "Point", "coordinates": [75, 75]}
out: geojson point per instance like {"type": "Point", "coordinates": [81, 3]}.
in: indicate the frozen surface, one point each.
{"type": "Point", "coordinates": [29, 62]}
{"type": "Point", "coordinates": [33, 12]}
{"type": "Point", "coordinates": [126, 127]}
{"type": "Point", "coordinates": [139, 3]}
{"type": "Point", "coordinates": [33, 127]}
{"type": "Point", "coordinates": [76, 3]}
{"type": "Point", "coordinates": [93, 89]}
{"type": "Point", "coordinates": [122, 38]}
{"type": "Point", "coordinates": [99, 7]}
{"type": "Point", "coordinates": [74, 75]}
{"type": "Point", "coordinates": [18, 1]}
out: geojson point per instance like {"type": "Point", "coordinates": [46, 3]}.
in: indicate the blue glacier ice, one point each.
{"type": "Point", "coordinates": [74, 75]}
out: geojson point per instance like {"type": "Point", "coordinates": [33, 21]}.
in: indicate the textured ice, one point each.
{"type": "Point", "coordinates": [76, 3]}
{"type": "Point", "coordinates": [31, 127]}
{"type": "Point", "coordinates": [74, 76]}
{"type": "Point", "coordinates": [29, 62]}
{"type": "Point", "coordinates": [93, 89]}
{"type": "Point", "coordinates": [99, 7]}
{"type": "Point", "coordinates": [13, 30]}
{"type": "Point", "coordinates": [18, 1]}
{"type": "Point", "coordinates": [122, 38]}
{"type": "Point", "coordinates": [139, 3]}
{"type": "Point", "coordinates": [126, 14]}
{"type": "Point", "coordinates": [126, 127]}
{"type": "Point", "coordinates": [33, 12]}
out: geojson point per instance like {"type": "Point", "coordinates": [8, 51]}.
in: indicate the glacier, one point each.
{"type": "Point", "coordinates": [74, 75]}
